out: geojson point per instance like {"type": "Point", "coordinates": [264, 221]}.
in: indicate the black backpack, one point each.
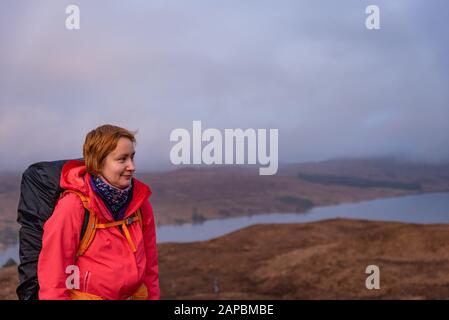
{"type": "Point", "coordinates": [39, 192]}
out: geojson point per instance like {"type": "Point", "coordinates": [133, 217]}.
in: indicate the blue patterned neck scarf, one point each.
{"type": "Point", "coordinates": [115, 199]}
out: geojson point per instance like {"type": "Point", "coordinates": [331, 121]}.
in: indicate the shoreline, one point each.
{"type": "Point", "coordinates": [4, 247]}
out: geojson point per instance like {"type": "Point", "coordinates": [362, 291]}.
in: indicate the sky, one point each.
{"type": "Point", "coordinates": [310, 69]}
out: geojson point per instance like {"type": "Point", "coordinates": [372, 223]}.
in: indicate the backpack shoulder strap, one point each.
{"type": "Point", "coordinates": [139, 217]}
{"type": "Point", "coordinates": [89, 224]}
{"type": "Point", "coordinates": [124, 226]}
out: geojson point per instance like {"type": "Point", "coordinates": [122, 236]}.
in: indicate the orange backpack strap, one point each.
{"type": "Point", "coordinates": [125, 223]}
{"type": "Point", "coordinates": [93, 225]}
{"type": "Point", "coordinates": [139, 217]}
{"type": "Point", "coordinates": [140, 294]}
{"type": "Point", "coordinates": [90, 229]}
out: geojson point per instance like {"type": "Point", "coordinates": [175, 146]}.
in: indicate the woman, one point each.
{"type": "Point", "coordinates": [120, 259]}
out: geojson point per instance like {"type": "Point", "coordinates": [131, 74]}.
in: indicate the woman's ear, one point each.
{"type": "Point", "coordinates": [100, 169]}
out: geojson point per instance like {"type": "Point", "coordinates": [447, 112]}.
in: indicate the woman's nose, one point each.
{"type": "Point", "coordinates": [130, 166]}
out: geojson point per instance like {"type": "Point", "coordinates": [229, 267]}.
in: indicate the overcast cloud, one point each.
{"type": "Point", "coordinates": [309, 68]}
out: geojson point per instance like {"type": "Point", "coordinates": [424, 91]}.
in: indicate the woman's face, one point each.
{"type": "Point", "coordinates": [118, 166]}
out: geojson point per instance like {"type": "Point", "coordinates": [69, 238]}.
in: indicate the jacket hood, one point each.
{"type": "Point", "coordinates": [73, 176]}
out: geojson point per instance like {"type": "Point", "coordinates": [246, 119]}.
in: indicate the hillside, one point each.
{"type": "Point", "coordinates": [319, 260]}
{"type": "Point", "coordinates": [196, 194]}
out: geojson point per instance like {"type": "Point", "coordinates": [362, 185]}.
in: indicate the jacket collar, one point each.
{"type": "Point", "coordinates": [75, 177]}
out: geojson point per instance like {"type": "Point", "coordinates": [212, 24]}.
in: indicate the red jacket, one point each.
{"type": "Point", "coordinates": [108, 268]}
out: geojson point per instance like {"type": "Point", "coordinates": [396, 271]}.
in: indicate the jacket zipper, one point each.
{"type": "Point", "coordinates": [86, 281]}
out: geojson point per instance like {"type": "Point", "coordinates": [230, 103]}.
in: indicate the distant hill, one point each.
{"type": "Point", "coordinates": [195, 194]}
{"type": "Point", "coordinates": [330, 179]}
{"type": "Point", "coordinates": [219, 192]}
